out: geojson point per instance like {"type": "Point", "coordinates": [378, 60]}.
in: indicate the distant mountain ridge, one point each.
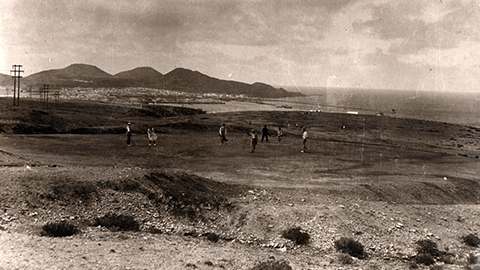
{"type": "Point", "coordinates": [179, 79]}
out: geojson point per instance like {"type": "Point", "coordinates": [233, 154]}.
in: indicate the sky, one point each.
{"type": "Point", "coordinates": [381, 44]}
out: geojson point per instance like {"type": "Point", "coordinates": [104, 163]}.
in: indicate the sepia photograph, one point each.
{"type": "Point", "coordinates": [240, 134]}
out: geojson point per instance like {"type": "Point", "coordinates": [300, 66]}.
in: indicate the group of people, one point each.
{"type": "Point", "coordinates": [152, 137]}
{"type": "Point", "coordinates": [222, 133]}
{"type": "Point", "coordinates": [265, 133]}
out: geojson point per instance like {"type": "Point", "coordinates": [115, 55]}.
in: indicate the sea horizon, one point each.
{"type": "Point", "coordinates": [443, 106]}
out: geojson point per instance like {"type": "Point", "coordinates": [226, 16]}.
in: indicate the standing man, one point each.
{"type": "Point", "coordinates": [265, 133]}
{"type": "Point", "coordinates": [304, 137]}
{"type": "Point", "coordinates": [129, 134]}
{"type": "Point", "coordinates": [254, 140]}
{"type": "Point", "coordinates": [223, 133]}
{"type": "Point", "coordinates": [279, 134]}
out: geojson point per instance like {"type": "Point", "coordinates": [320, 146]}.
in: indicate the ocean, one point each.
{"type": "Point", "coordinates": [458, 108]}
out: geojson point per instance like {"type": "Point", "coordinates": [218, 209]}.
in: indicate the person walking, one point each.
{"type": "Point", "coordinates": [265, 133]}
{"type": "Point", "coordinates": [304, 137]}
{"type": "Point", "coordinates": [152, 137]}
{"type": "Point", "coordinates": [253, 143]}
{"type": "Point", "coordinates": [129, 134]}
{"type": "Point", "coordinates": [223, 135]}
{"type": "Point", "coordinates": [279, 134]}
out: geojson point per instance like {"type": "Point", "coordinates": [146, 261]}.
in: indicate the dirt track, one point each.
{"type": "Point", "coordinates": [384, 181]}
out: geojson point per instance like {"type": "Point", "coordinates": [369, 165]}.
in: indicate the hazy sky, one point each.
{"type": "Point", "coordinates": [414, 44]}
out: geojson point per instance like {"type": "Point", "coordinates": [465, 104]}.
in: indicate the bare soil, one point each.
{"type": "Point", "coordinates": [383, 181]}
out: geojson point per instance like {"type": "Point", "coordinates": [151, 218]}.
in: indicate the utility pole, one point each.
{"type": "Point", "coordinates": [45, 95]}
{"type": "Point", "coordinates": [16, 71]}
{"type": "Point", "coordinates": [57, 99]}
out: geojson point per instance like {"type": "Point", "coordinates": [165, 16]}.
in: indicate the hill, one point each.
{"type": "Point", "coordinates": [140, 73]}
{"type": "Point", "coordinates": [6, 81]}
{"type": "Point", "coordinates": [141, 76]}
{"type": "Point", "coordinates": [75, 75]}
{"type": "Point", "coordinates": [180, 79]}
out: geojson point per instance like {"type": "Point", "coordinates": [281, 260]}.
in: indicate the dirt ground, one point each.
{"type": "Point", "coordinates": [385, 182]}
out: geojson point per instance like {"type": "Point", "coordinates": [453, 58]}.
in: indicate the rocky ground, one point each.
{"type": "Point", "coordinates": [383, 182]}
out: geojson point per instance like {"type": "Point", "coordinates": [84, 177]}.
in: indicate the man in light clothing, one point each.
{"type": "Point", "coordinates": [223, 133]}
{"type": "Point", "coordinates": [253, 141]}
{"type": "Point", "coordinates": [304, 137]}
{"type": "Point", "coordinates": [129, 135]}
{"type": "Point", "coordinates": [279, 134]}
{"type": "Point", "coordinates": [152, 137]}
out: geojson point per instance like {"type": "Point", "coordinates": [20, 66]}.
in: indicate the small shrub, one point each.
{"type": "Point", "coordinates": [59, 229]}
{"type": "Point", "coordinates": [427, 247]}
{"type": "Point", "coordinates": [123, 185]}
{"type": "Point", "coordinates": [213, 237]}
{"type": "Point", "coordinates": [447, 258]}
{"type": "Point", "coordinates": [413, 265]}
{"type": "Point", "coordinates": [471, 240]}
{"type": "Point", "coordinates": [67, 190]}
{"type": "Point", "coordinates": [154, 230]}
{"type": "Point", "coordinates": [351, 247]}
{"type": "Point", "coordinates": [425, 258]}
{"type": "Point", "coordinates": [272, 265]}
{"type": "Point", "coordinates": [117, 222]}
{"type": "Point", "coordinates": [472, 259]}
{"type": "Point", "coordinates": [296, 235]}
{"type": "Point", "coordinates": [345, 259]}
{"type": "Point", "coordinates": [436, 267]}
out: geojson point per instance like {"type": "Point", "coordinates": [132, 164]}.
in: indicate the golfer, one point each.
{"type": "Point", "coordinates": [129, 134]}
{"type": "Point", "coordinates": [152, 137]}
{"type": "Point", "coordinates": [223, 133]}
{"type": "Point", "coordinates": [279, 134]}
{"type": "Point", "coordinates": [265, 133]}
{"type": "Point", "coordinates": [304, 137]}
{"type": "Point", "coordinates": [254, 140]}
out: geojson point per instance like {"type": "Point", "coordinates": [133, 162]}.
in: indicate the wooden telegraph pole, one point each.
{"type": "Point", "coordinates": [45, 96]}
{"type": "Point", "coordinates": [17, 74]}
{"type": "Point", "coordinates": [57, 99]}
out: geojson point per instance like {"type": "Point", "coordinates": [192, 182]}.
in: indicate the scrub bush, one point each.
{"type": "Point", "coordinates": [296, 235]}
{"type": "Point", "coordinates": [351, 247]}
{"type": "Point", "coordinates": [59, 229]}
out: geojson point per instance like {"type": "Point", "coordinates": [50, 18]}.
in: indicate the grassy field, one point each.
{"type": "Point", "coordinates": [386, 182]}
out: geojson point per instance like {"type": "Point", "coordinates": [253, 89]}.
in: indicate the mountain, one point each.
{"type": "Point", "coordinates": [6, 80]}
{"type": "Point", "coordinates": [141, 76]}
{"type": "Point", "coordinates": [179, 79]}
{"type": "Point", "coordinates": [72, 76]}
{"type": "Point", "coordinates": [140, 73]}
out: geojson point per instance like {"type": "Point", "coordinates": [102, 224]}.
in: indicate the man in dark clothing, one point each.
{"type": "Point", "coordinates": [265, 133]}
